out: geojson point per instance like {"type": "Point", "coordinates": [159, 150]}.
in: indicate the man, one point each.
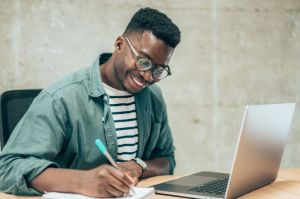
{"type": "Point", "coordinates": [52, 148]}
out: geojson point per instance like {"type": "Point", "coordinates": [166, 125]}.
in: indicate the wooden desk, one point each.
{"type": "Point", "coordinates": [287, 185]}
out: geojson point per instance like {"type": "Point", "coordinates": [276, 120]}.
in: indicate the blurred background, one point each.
{"type": "Point", "coordinates": [232, 53]}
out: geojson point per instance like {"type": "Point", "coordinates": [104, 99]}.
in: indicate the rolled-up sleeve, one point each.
{"type": "Point", "coordinates": [33, 145]}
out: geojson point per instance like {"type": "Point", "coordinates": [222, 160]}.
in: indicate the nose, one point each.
{"type": "Point", "coordinates": [147, 75]}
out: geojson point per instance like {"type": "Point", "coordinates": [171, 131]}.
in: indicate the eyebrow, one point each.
{"type": "Point", "coordinates": [145, 55]}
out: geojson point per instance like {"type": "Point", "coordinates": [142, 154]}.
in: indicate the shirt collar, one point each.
{"type": "Point", "coordinates": [96, 87]}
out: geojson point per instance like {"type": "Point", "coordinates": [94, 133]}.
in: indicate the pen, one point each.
{"type": "Point", "coordinates": [103, 149]}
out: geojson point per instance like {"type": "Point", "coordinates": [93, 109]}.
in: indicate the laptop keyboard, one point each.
{"type": "Point", "coordinates": [217, 187]}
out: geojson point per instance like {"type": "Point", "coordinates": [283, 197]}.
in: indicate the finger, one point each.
{"type": "Point", "coordinates": [136, 180]}
{"type": "Point", "coordinates": [117, 184]}
{"type": "Point", "coordinates": [131, 178]}
{"type": "Point", "coordinates": [116, 172]}
{"type": "Point", "coordinates": [106, 194]}
{"type": "Point", "coordinates": [114, 177]}
{"type": "Point", "coordinates": [114, 191]}
{"type": "Point", "coordinates": [122, 177]}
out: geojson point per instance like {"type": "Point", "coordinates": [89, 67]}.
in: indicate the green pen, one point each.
{"type": "Point", "coordinates": [103, 150]}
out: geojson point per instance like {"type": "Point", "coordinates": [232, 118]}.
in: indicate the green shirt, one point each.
{"type": "Point", "coordinates": [61, 126]}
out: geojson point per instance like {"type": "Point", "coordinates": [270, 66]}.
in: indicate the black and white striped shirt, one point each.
{"type": "Point", "coordinates": [122, 106]}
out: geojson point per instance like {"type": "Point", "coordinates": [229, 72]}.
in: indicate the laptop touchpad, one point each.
{"type": "Point", "coordinates": [192, 180]}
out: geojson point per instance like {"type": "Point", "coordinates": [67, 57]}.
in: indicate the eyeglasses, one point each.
{"type": "Point", "coordinates": [159, 72]}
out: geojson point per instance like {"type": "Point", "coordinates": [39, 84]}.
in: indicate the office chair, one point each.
{"type": "Point", "coordinates": [14, 104]}
{"type": "Point", "coordinates": [104, 57]}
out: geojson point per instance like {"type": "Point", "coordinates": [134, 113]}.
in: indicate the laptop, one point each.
{"type": "Point", "coordinates": [256, 163]}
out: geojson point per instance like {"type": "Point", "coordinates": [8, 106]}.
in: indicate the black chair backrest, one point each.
{"type": "Point", "coordinates": [104, 57]}
{"type": "Point", "coordinates": [14, 105]}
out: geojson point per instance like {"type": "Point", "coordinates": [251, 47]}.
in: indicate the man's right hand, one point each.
{"type": "Point", "coordinates": [103, 181]}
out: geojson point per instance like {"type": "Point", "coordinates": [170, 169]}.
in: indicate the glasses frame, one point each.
{"type": "Point", "coordinates": [152, 67]}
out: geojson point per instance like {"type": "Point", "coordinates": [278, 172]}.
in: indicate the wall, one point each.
{"type": "Point", "coordinates": [232, 53]}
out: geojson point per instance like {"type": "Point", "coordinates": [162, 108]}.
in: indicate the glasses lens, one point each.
{"type": "Point", "coordinates": [160, 73]}
{"type": "Point", "coordinates": [143, 64]}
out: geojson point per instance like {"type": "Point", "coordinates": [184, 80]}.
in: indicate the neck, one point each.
{"type": "Point", "coordinates": [107, 74]}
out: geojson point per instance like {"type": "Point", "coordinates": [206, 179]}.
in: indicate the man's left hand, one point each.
{"type": "Point", "coordinates": [132, 169]}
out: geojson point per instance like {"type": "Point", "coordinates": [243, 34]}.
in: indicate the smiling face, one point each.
{"type": "Point", "coordinates": [125, 74]}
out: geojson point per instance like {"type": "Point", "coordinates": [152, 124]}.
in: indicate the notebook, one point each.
{"type": "Point", "coordinates": [140, 193]}
{"type": "Point", "coordinates": [256, 163]}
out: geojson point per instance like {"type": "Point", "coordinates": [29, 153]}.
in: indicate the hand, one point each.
{"type": "Point", "coordinates": [132, 169]}
{"type": "Point", "coordinates": [105, 181]}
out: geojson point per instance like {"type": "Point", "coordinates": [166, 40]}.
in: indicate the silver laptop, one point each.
{"type": "Point", "coordinates": [263, 133]}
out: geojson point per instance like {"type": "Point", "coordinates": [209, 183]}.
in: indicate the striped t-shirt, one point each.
{"type": "Point", "coordinates": [122, 106]}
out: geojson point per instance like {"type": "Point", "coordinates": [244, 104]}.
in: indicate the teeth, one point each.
{"type": "Point", "coordinates": [140, 84]}
{"type": "Point", "coordinates": [137, 82]}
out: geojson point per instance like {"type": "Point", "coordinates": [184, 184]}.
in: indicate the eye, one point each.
{"type": "Point", "coordinates": [160, 73]}
{"type": "Point", "coordinates": [144, 63]}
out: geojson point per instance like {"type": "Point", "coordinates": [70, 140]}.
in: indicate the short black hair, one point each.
{"type": "Point", "coordinates": [161, 26]}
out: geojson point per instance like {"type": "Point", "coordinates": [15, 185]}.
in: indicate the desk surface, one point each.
{"type": "Point", "coordinates": [287, 185]}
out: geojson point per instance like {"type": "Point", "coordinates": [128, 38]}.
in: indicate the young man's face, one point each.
{"type": "Point", "coordinates": [144, 45]}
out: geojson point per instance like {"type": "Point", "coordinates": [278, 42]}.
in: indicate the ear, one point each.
{"type": "Point", "coordinates": [119, 44]}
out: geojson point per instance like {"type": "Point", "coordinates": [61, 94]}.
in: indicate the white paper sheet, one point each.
{"type": "Point", "coordinates": [140, 193]}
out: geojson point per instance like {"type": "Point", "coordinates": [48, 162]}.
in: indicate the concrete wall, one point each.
{"type": "Point", "coordinates": [233, 53]}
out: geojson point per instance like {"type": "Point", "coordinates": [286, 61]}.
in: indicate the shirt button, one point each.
{"type": "Point", "coordinates": [102, 119]}
{"type": "Point", "coordinates": [105, 98]}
